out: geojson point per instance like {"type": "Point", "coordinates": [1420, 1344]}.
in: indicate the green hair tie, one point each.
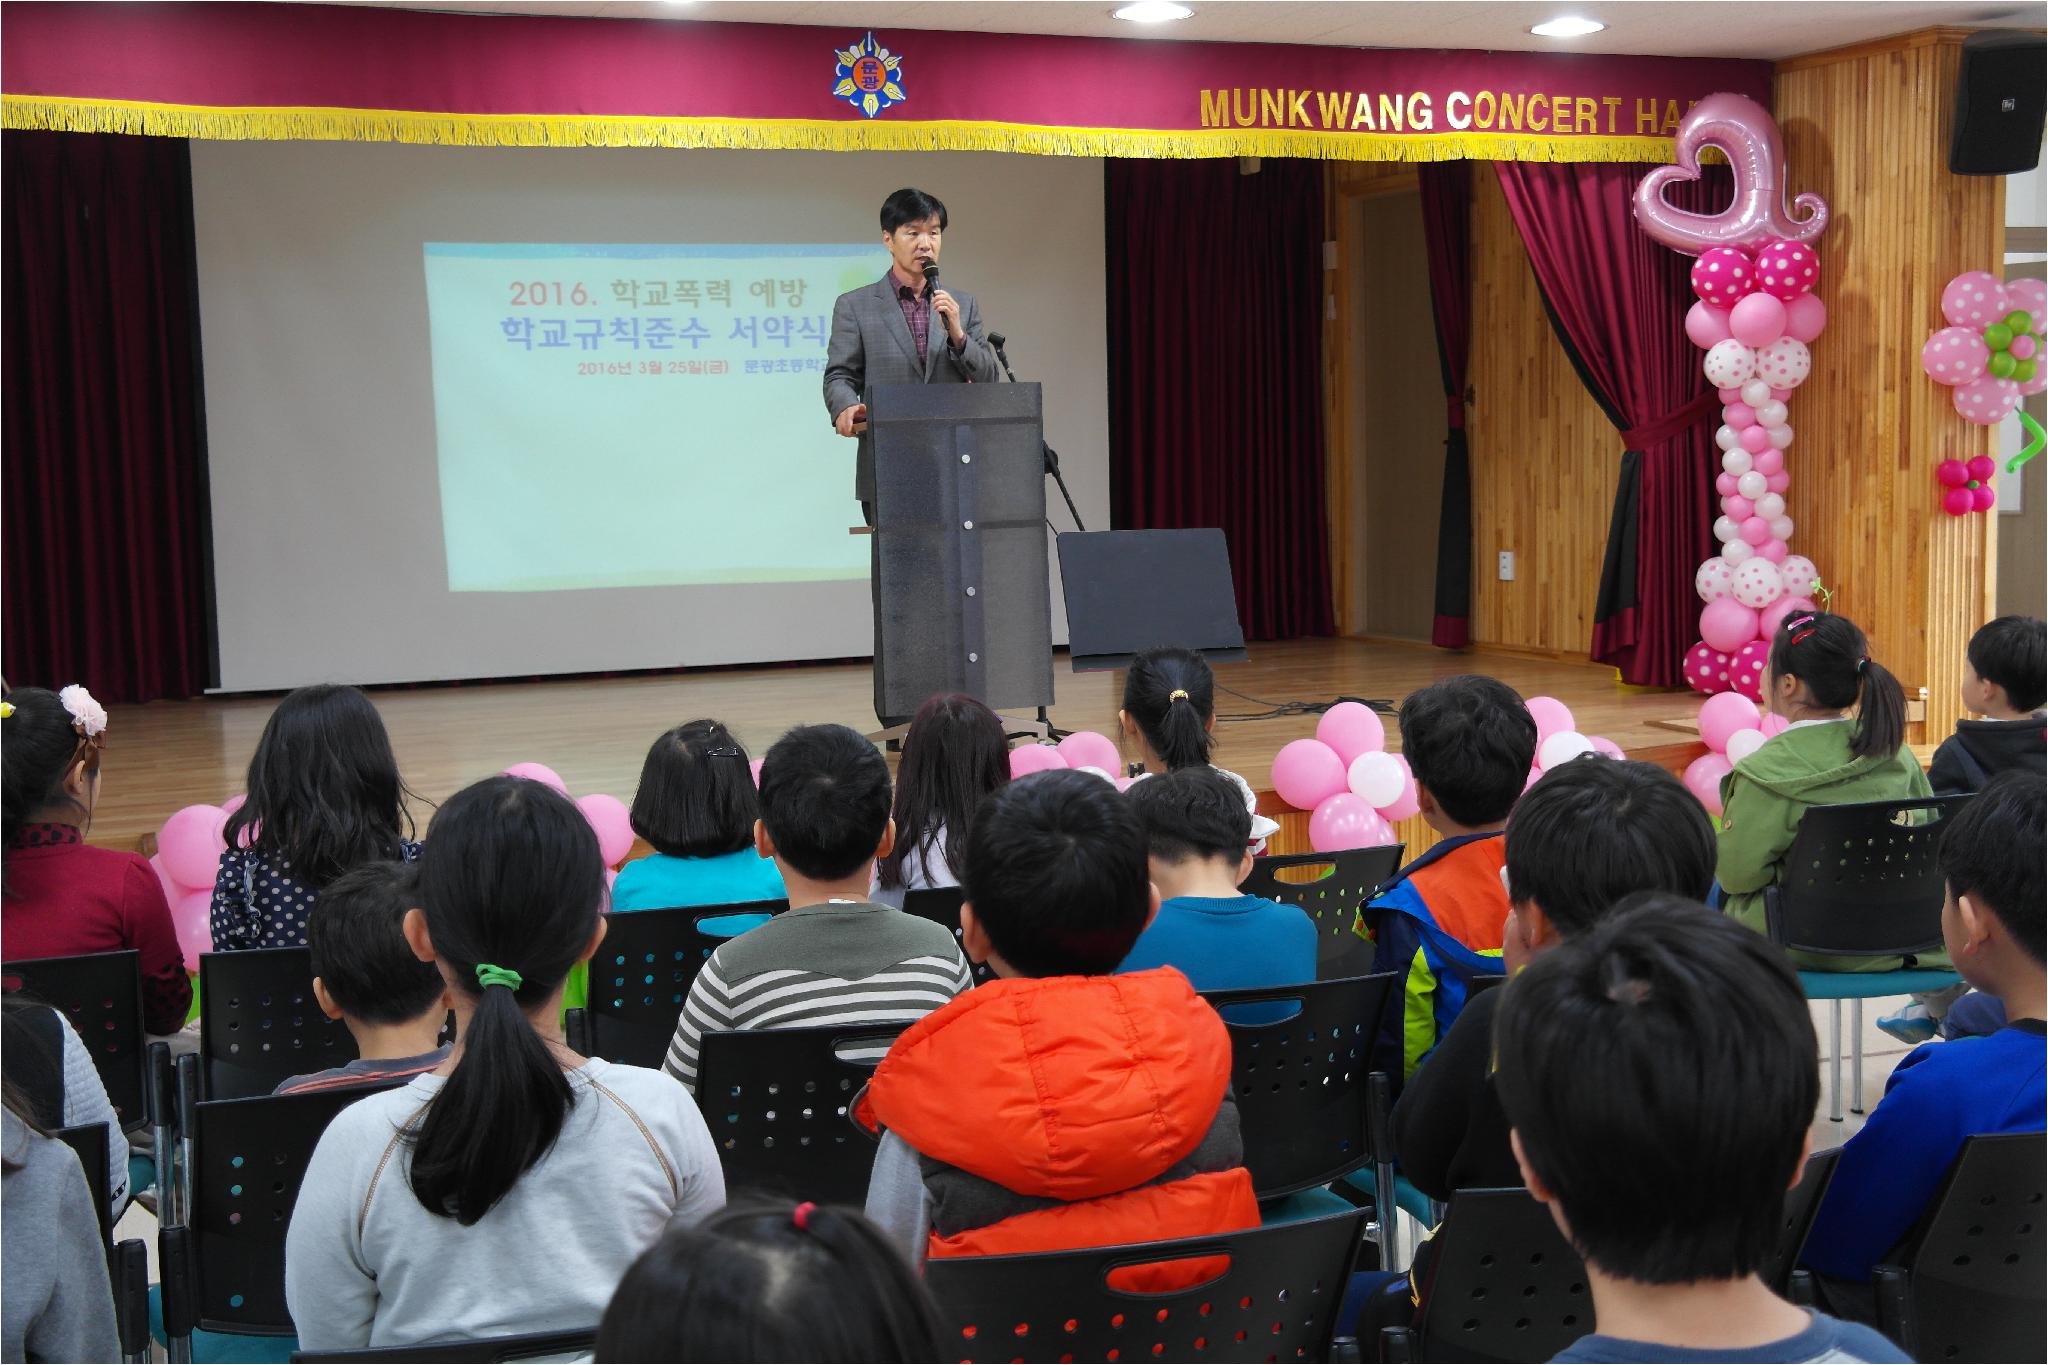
{"type": "Point", "coordinates": [488, 976]}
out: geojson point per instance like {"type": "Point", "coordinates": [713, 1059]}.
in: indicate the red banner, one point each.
{"type": "Point", "coordinates": [368, 74]}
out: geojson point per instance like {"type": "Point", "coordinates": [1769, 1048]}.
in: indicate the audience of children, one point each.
{"type": "Point", "coordinates": [835, 956]}
{"type": "Point", "coordinates": [324, 796]}
{"type": "Point", "coordinates": [1660, 1072]}
{"type": "Point", "coordinates": [1590, 833]}
{"type": "Point", "coordinates": [510, 1190]}
{"type": "Point", "coordinates": [45, 1063]}
{"type": "Point", "coordinates": [765, 1281]}
{"type": "Point", "coordinates": [56, 1301]}
{"type": "Point", "coordinates": [1470, 742]}
{"type": "Point", "coordinates": [366, 975]}
{"type": "Point", "coordinates": [2005, 680]}
{"type": "Point", "coordinates": [696, 805]}
{"type": "Point", "coordinates": [954, 755]}
{"type": "Point", "coordinates": [1940, 1094]}
{"type": "Point", "coordinates": [60, 896]}
{"type": "Point", "coordinates": [1169, 717]}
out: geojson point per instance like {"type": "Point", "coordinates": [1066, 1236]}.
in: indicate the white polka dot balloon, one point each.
{"type": "Point", "coordinates": [1784, 364]}
{"type": "Point", "coordinates": [1799, 574]}
{"type": "Point", "coordinates": [1730, 363]}
{"type": "Point", "coordinates": [1715, 579]}
{"type": "Point", "coordinates": [1786, 270]}
{"type": "Point", "coordinates": [1757, 583]}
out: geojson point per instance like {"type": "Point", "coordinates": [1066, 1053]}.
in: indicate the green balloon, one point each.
{"type": "Point", "coordinates": [2022, 371]}
{"type": "Point", "coordinates": [2002, 365]}
{"type": "Point", "coordinates": [1998, 336]}
{"type": "Point", "coordinates": [2020, 320]}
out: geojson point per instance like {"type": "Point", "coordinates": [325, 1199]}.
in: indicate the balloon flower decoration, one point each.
{"type": "Point", "coordinates": [1756, 274]}
{"type": "Point", "coordinates": [1990, 355]}
{"type": "Point", "coordinates": [1355, 790]}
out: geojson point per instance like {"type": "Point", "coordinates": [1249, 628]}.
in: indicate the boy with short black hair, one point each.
{"type": "Point", "coordinates": [365, 974]}
{"type": "Point", "coordinates": [1470, 743]}
{"type": "Point", "coordinates": [1592, 832]}
{"type": "Point", "coordinates": [1196, 833]}
{"type": "Point", "coordinates": [1672, 1185]}
{"type": "Point", "coordinates": [2005, 680]}
{"type": "Point", "coordinates": [1993, 925]}
{"type": "Point", "coordinates": [1059, 1105]}
{"type": "Point", "coordinates": [834, 956]}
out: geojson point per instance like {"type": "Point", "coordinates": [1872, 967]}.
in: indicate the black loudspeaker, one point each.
{"type": "Point", "coordinates": [2001, 96]}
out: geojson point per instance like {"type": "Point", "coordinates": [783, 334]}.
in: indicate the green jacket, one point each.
{"type": "Point", "coordinates": [1763, 799]}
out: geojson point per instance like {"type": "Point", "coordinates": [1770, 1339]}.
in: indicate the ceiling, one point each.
{"type": "Point", "coordinates": [1770, 29]}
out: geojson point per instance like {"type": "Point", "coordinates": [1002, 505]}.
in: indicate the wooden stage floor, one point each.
{"type": "Point", "coordinates": [596, 731]}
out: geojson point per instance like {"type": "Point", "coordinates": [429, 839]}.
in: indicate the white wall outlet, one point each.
{"type": "Point", "coordinates": [1507, 566]}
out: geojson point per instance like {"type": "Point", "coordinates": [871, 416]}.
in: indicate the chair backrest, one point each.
{"type": "Point", "coordinates": [1336, 885]}
{"type": "Point", "coordinates": [1802, 1203]}
{"type": "Point", "coordinates": [248, 1159]}
{"type": "Point", "coordinates": [475, 1351]}
{"type": "Point", "coordinates": [643, 972]}
{"type": "Point", "coordinates": [1861, 879]}
{"type": "Point", "coordinates": [1300, 1081]}
{"type": "Point", "coordinates": [101, 994]}
{"type": "Point", "coordinates": [776, 1100]}
{"type": "Point", "coordinates": [259, 1022]}
{"type": "Point", "coordinates": [91, 1142]}
{"type": "Point", "coordinates": [1277, 1299]}
{"type": "Point", "coordinates": [1974, 1279]}
{"type": "Point", "coordinates": [941, 905]}
{"type": "Point", "coordinates": [1502, 1283]}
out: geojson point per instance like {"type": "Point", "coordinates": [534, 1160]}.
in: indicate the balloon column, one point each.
{"type": "Point", "coordinates": [1990, 355]}
{"type": "Point", "coordinates": [1755, 275]}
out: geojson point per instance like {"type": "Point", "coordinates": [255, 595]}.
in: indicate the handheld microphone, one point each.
{"type": "Point", "coordinates": [931, 275]}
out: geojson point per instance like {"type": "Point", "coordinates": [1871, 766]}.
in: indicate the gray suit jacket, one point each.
{"type": "Point", "coordinates": [871, 345]}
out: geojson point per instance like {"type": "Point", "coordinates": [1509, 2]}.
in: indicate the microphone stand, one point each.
{"type": "Point", "coordinates": [1052, 457]}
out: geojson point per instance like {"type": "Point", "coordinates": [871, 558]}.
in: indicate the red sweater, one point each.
{"type": "Point", "coordinates": [65, 898]}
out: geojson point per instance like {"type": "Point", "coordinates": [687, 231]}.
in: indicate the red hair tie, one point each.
{"type": "Point", "coordinates": [801, 1216]}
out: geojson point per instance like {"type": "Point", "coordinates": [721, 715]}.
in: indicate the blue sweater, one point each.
{"type": "Point", "coordinates": [658, 882]}
{"type": "Point", "coordinates": [1229, 943]}
{"type": "Point", "coordinates": [1941, 1094]}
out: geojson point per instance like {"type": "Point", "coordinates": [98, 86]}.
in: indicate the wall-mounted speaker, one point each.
{"type": "Point", "coordinates": [2001, 96]}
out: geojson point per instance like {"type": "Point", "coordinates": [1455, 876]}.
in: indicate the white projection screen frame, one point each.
{"type": "Point", "coordinates": [329, 557]}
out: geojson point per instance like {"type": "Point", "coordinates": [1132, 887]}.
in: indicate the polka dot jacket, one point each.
{"type": "Point", "coordinates": [256, 905]}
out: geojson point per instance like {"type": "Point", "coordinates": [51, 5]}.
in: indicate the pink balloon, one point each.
{"type": "Point", "coordinates": [1703, 779]}
{"type": "Point", "coordinates": [1724, 484]}
{"type": "Point", "coordinates": [1344, 821]}
{"type": "Point", "coordinates": [1738, 415]}
{"type": "Point", "coordinates": [754, 767]}
{"type": "Point", "coordinates": [1986, 401]}
{"type": "Point", "coordinates": [1768, 462]}
{"type": "Point", "coordinates": [1746, 669]}
{"type": "Point", "coordinates": [1774, 550]}
{"type": "Point", "coordinates": [1351, 729]}
{"type": "Point", "coordinates": [1975, 298]}
{"type": "Point", "coordinates": [1552, 717]}
{"type": "Point", "coordinates": [1738, 508]}
{"type": "Point", "coordinates": [1722, 276]}
{"type": "Point", "coordinates": [614, 825]}
{"type": "Point", "coordinates": [1805, 317]}
{"type": "Point", "coordinates": [1705, 324]}
{"type": "Point", "coordinates": [1772, 618]}
{"type": "Point", "coordinates": [1957, 502]}
{"type": "Point", "coordinates": [1087, 749]}
{"type": "Point", "coordinates": [1774, 725]}
{"type": "Point", "coordinates": [1727, 625]}
{"type": "Point", "coordinates": [1757, 320]}
{"type": "Point", "coordinates": [1722, 716]}
{"type": "Point", "coordinates": [1982, 468]}
{"type": "Point", "coordinates": [1741, 128]}
{"type": "Point", "coordinates": [2023, 346]}
{"type": "Point", "coordinates": [1954, 355]}
{"type": "Point", "coordinates": [1409, 803]}
{"type": "Point", "coordinates": [539, 772]}
{"type": "Point", "coordinates": [190, 844]}
{"type": "Point", "coordinates": [1535, 776]}
{"type": "Point", "coordinates": [1787, 270]}
{"type": "Point", "coordinates": [193, 925]}
{"type": "Point", "coordinates": [234, 803]}
{"type": "Point", "coordinates": [1726, 396]}
{"type": "Point", "coordinates": [1756, 530]}
{"type": "Point", "coordinates": [1027, 759]}
{"type": "Point", "coordinates": [1986, 497]}
{"type": "Point", "coordinates": [1604, 745]}
{"type": "Point", "coordinates": [2032, 295]}
{"type": "Point", "coordinates": [1754, 439]}
{"type": "Point", "coordinates": [1706, 669]}
{"type": "Point", "coordinates": [172, 891]}
{"type": "Point", "coordinates": [1778, 482]}
{"type": "Point", "coordinates": [1308, 772]}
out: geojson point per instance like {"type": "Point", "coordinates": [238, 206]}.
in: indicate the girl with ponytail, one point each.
{"type": "Point", "coordinates": [1845, 743]}
{"type": "Point", "coordinates": [509, 1190]}
{"type": "Point", "coordinates": [1169, 717]}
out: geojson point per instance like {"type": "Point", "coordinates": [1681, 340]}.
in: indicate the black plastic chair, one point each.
{"type": "Point", "coordinates": [101, 994]}
{"type": "Point", "coordinates": [1970, 1286]}
{"type": "Point", "coordinates": [1501, 1284]}
{"type": "Point", "coordinates": [643, 972]}
{"type": "Point", "coordinates": [776, 1100]}
{"type": "Point", "coordinates": [1802, 1205]}
{"type": "Point", "coordinates": [1860, 880]}
{"type": "Point", "coordinates": [1331, 899]}
{"type": "Point", "coordinates": [1277, 1299]}
{"type": "Point", "coordinates": [941, 905]}
{"type": "Point", "coordinates": [92, 1145]}
{"type": "Point", "coordinates": [259, 1023]}
{"type": "Point", "coordinates": [476, 1351]}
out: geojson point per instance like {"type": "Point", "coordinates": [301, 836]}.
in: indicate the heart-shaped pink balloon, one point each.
{"type": "Point", "coordinates": [1741, 128]}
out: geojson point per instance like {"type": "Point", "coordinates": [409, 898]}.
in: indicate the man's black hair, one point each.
{"type": "Point", "coordinates": [1993, 852]}
{"type": "Point", "coordinates": [1470, 741]}
{"type": "Point", "coordinates": [696, 797]}
{"type": "Point", "coordinates": [355, 933]}
{"type": "Point", "coordinates": [2009, 652]}
{"type": "Point", "coordinates": [1596, 829]}
{"type": "Point", "coordinates": [1192, 813]}
{"type": "Point", "coordinates": [911, 206]}
{"type": "Point", "coordinates": [1057, 876]}
{"type": "Point", "coordinates": [1661, 1072]}
{"type": "Point", "coordinates": [825, 800]}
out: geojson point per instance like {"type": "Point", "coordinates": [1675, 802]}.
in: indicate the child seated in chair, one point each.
{"type": "Point", "coordinates": [1659, 1073]}
{"type": "Point", "coordinates": [1470, 742]}
{"type": "Point", "coordinates": [1060, 1105]}
{"type": "Point", "coordinates": [2003, 682]}
{"type": "Point", "coordinates": [366, 975]}
{"type": "Point", "coordinates": [1943, 1093]}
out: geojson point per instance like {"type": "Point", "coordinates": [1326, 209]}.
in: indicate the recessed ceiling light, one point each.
{"type": "Point", "coordinates": [1567, 27]}
{"type": "Point", "coordinates": [1153, 12]}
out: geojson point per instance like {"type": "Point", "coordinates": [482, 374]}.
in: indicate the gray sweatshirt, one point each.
{"type": "Point", "coordinates": [55, 1300]}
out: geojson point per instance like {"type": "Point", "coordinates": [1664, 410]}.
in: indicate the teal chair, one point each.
{"type": "Point", "coordinates": [1861, 880]}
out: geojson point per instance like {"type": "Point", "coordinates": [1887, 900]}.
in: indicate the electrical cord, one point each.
{"type": "Point", "coordinates": [1276, 710]}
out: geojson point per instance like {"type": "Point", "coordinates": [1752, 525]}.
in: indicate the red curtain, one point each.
{"type": "Point", "coordinates": [1215, 285]}
{"type": "Point", "coordinates": [1618, 302]}
{"type": "Point", "coordinates": [1447, 229]}
{"type": "Point", "coordinates": [105, 506]}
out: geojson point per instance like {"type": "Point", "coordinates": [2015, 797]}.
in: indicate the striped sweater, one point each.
{"type": "Point", "coordinates": [842, 962]}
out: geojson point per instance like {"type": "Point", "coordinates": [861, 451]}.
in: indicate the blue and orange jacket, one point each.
{"type": "Point", "coordinates": [1437, 926]}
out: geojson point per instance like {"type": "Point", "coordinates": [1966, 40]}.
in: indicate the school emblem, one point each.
{"type": "Point", "coordinates": [870, 77]}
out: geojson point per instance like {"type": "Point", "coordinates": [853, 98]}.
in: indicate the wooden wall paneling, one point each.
{"type": "Point", "coordinates": [1339, 447]}
{"type": "Point", "coordinates": [1399, 419]}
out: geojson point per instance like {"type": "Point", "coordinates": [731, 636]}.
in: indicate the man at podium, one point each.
{"type": "Point", "coordinates": [902, 329]}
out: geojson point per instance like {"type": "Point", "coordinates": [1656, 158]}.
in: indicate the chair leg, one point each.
{"type": "Point", "coordinates": [1835, 1061]}
{"type": "Point", "coordinates": [1856, 1055]}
